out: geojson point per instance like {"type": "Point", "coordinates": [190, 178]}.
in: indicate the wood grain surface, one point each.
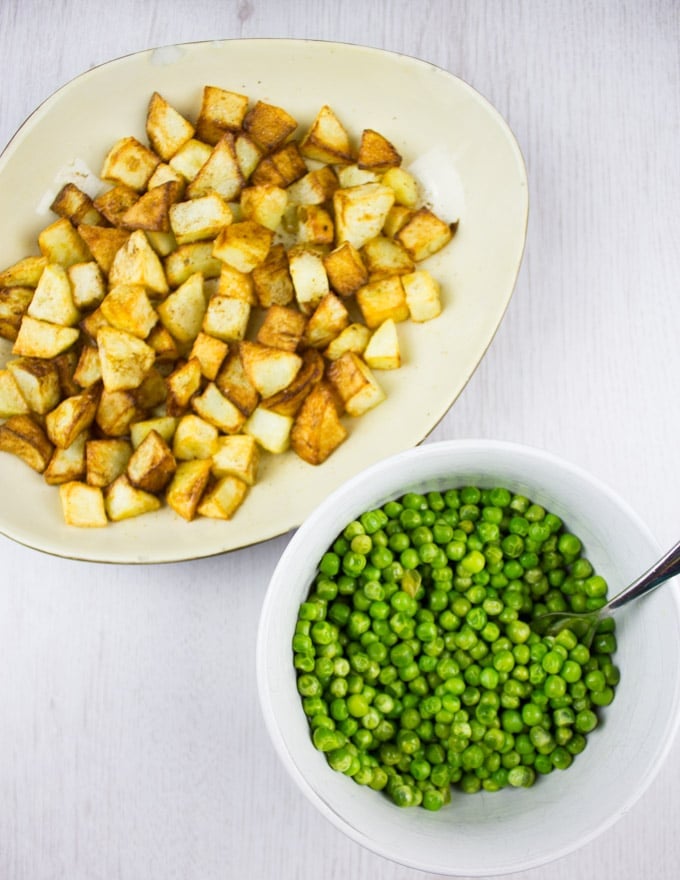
{"type": "Point", "coordinates": [131, 741]}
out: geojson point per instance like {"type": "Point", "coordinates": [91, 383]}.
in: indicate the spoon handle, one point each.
{"type": "Point", "coordinates": [667, 567]}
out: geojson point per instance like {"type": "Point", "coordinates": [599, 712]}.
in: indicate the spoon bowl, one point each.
{"type": "Point", "coordinates": [584, 624]}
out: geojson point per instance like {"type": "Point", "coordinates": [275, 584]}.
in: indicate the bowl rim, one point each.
{"type": "Point", "coordinates": [399, 462]}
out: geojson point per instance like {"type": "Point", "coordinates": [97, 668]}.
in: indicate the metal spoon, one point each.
{"type": "Point", "coordinates": [583, 624]}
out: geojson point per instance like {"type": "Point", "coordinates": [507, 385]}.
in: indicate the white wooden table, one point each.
{"type": "Point", "coordinates": [131, 742]}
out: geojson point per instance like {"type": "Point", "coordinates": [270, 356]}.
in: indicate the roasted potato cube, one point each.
{"type": "Point", "coordinates": [164, 426]}
{"type": "Point", "coordinates": [194, 438]}
{"type": "Point", "coordinates": [235, 384]}
{"type": "Point", "coordinates": [25, 273]}
{"type": "Point", "coordinates": [186, 488]}
{"type": "Point", "coordinates": [237, 455]}
{"type": "Point", "coordinates": [314, 225]}
{"type": "Point", "coordinates": [327, 139]}
{"type": "Point", "coordinates": [88, 288]}
{"type": "Point", "coordinates": [88, 370]}
{"type": "Point", "coordinates": [353, 338]}
{"type": "Point", "coordinates": [403, 184]}
{"type": "Point", "coordinates": [190, 159]}
{"type": "Point", "coordinates": [116, 411]}
{"type": "Point", "coordinates": [187, 259]}
{"type": "Point", "coordinates": [65, 365]}
{"type": "Point", "coordinates": [163, 343]}
{"type": "Point", "coordinates": [152, 391]}
{"type": "Point", "coordinates": [243, 245]}
{"type": "Point", "coordinates": [270, 429]}
{"type": "Point", "coordinates": [272, 284]}
{"type": "Point", "coordinates": [13, 304]}
{"type": "Point", "coordinates": [183, 383]}
{"type": "Point", "coordinates": [221, 111]}
{"type": "Point", "coordinates": [212, 406]}
{"type": "Point", "coordinates": [248, 154]}
{"type": "Point", "coordinates": [265, 204]}
{"type": "Point", "coordinates": [12, 401]}
{"type": "Point", "coordinates": [382, 299]}
{"type": "Point", "coordinates": [382, 351]}
{"type": "Point", "coordinates": [38, 382]}
{"type": "Point", "coordinates": [268, 125]}
{"type": "Point", "coordinates": [106, 459]}
{"type": "Point", "coordinates": [43, 339]}
{"type": "Point", "coordinates": [360, 212]}
{"type": "Point", "coordinates": [423, 295]}
{"type": "Point", "coordinates": [288, 401]}
{"type": "Point", "coordinates": [61, 243]}
{"type": "Point", "coordinates": [124, 501]}
{"type": "Point", "coordinates": [282, 327]}
{"type": "Point", "coordinates": [71, 417]}
{"type": "Point", "coordinates": [136, 262]}
{"type": "Point", "coordinates": [24, 437]}
{"type": "Point", "coordinates": [199, 218]}
{"type": "Point", "coordinates": [238, 285]}
{"type": "Point", "coordinates": [424, 234]}
{"type": "Point", "coordinates": [317, 431]}
{"type": "Point", "coordinates": [114, 202]}
{"type": "Point", "coordinates": [384, 257]}
{"type": "Point", "coordinates": [53, 298]}
{"type": "Point", "coordinates": [308, 273]}
{"type": "Point", "coordinates": [182, 312]}
{"type": "Point", "coordinates": [222, 500]}
{"type": "Point", "coordinates": [315, 188]}
{"type": "Point", "coordinates": [82, 505]}
{"type": "Point", "coordinates": [166, 128]}
{"type": "Point", "coordinates": [226, 318]}
{"type": "Point", "coordinates": [129, 162]}
{"type": "Point", "coordinates": [376, 153]}
{"type": "Point", "coordinates": [397, 216]}
{"type": "Point", "coordinates": [327, 321]}
{"type": "Point", "coordinates": [355, 384]}
{"type": "Point", "coordinates": [210, 352]}
{"type": "Point", "coordinates": [125, 359]}
{"type": "Point", "coordinates": [165, 173]}
{"type": "Point", "coordinates": [71, 202]}
{"type": "Point", "coordinates": [151, 211]}
{"type": "Point", "coordinates": [91, 325]}
{"type": "Point", "coordinates": [152, 464]}
{"type": "Point", "coordinates": [269, 369]}
{"type": "Point", "coordinates": [220, 173]}
{"type": "Point", "coordinates": [103, 242]}
{"type": "Point", "coordinates": [281, 168]}
{"type": "Point", "coordinates": [352, 175]}
{"type": "Point", "coordinates": [67, 464]}
{"type": "Point", "coordinates": [127, 307]}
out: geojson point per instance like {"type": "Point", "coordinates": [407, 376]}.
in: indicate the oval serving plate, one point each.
{"type": "Point", "coordinates": [470, 168]}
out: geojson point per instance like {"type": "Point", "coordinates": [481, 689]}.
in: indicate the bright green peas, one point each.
{"type": "Point", "coordinates": [455, 550]}
{"type": "Point", "coordinates": [410, 519]}
{"type": "Point", "coordinates": [361, 545]}
{"type": "Point", "coordinates": [603, 697]}
{"type": "Point", "coordinates": [521, 776]}
{"type": "Point", "coordinates": [513, 547]}
{"type": "Point", "coordinates": [409, 558]}
{"type": "Point", "coordinates": [473, 561]}
{"type": "Point", "coordinates": [604, 643]}
{"type": "Point", "coordinates": [552, 662]}
{"type": "Point", "coordinates": [353, 563]}
{"type": "Point", "coordinates": [511, 721]}
{"type": "Point", "coordinates": [503, 661]}
{"type": "Point", "coordinates": [571, 671]}
{"type": "Point", "coordinates": [532, 714]}
{"type": "Point", "coordinates": [586, 720]}
{"type": "Point", "coordinates": [518, 631]}
{"type": "Point", "coordinates": [330, 564]}
{"type": "Point", "coordinates": [381, 557]}
{"type": "Point", "coordinates": [595, 586]}
{"type": "Point", "coordinates": [569, 545]}
{"type": "Point", "coordinates": [327, 740]}
{"type": "Point", "coordinates": [554, 686]}
{"type": "Point", "coordinates": [427, 631]}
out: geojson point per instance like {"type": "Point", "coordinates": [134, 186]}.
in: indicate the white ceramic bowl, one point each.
{"type": "Point", "coordinates": [469, 165]}
{"type": "Point", "coordinates": [511, 830]}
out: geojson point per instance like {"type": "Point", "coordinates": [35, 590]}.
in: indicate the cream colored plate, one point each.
{"type": "Point", "coordinates": [462, 151]}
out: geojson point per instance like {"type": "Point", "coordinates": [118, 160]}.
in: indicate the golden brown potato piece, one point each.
{"type": "Point", "coordinates": [186, 488]}
{"type": "Point", "coordinates": [24, 437]}
{"type": "Point", "coordinates": [223, 498]}
{"type": "Point", "coordinates": [151, 211]}
{"type": "Point", "coordinates": [166, 128]}
{"type": "Point", "coordinates": [355, 384]}
{"type": "Point", "coordinates": [221, 111]}
{"type": "Point", "coordinates": [74, 204]}
{"type": "Point", "coordinates": [424, 234]}
{"type": "Point", "coordinates": [152, 464]}
{"type": "Point", "coordinates": [220, 173]}
{"type": "Point", "coordinates": [123, 500]}
{"type": "Point", "coordinates": [327, 139]}
{"type": "Point", "coordinates": [327, 321]}
{"type": "Point", "coordinates": [272, 284]}
{"type": "Point", "coordinates": [82, 505]}
{"type": "Point", "coordinates": [282, 327]}
{"type": "Point", "coordinates": [106, 459]}
{"type": "Point", "coordinates": [13, 304]}
{"type": "Point", "coordinates": [382, 299]}
{"type": "Point", "coordinates": [235, 384]}
{"type": "Point", "coordinates": [376, 153]}
{"type": "Point", "coordinates": [24, 273]}
{"type": "Point", "coordinates": [67, 464]}
{"type": "Point", "coordinates": [103, 242]}
{"type": "Point", "coordinates": [243, 245]}
{"type": "Point", "coordinates": [43, 339]}
{"type": "Point", "coordinates": [237, 455]}
{"type": "Point", "coordinates": [71, 417]}
{"type": "Point", "coordinates": [268, 125]}
{"type": "Point", "coordinates": [38, 382]}
{"type": "Point", "coordinates": [269, 369]}
{"type": "Point", "coordinates": [61, 243]}
{"type": "Point", "coordinates": [289, 400]}
{"type": "Point", "coordinates": [281, 168]}
{"type": "Point", "coordinates": [317, 431]}
{"type": "Point", "coordinates": [129, 162]}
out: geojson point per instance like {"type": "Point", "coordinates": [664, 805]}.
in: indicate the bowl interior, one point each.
{"type": "Point", "coordinates": [511, 830]}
